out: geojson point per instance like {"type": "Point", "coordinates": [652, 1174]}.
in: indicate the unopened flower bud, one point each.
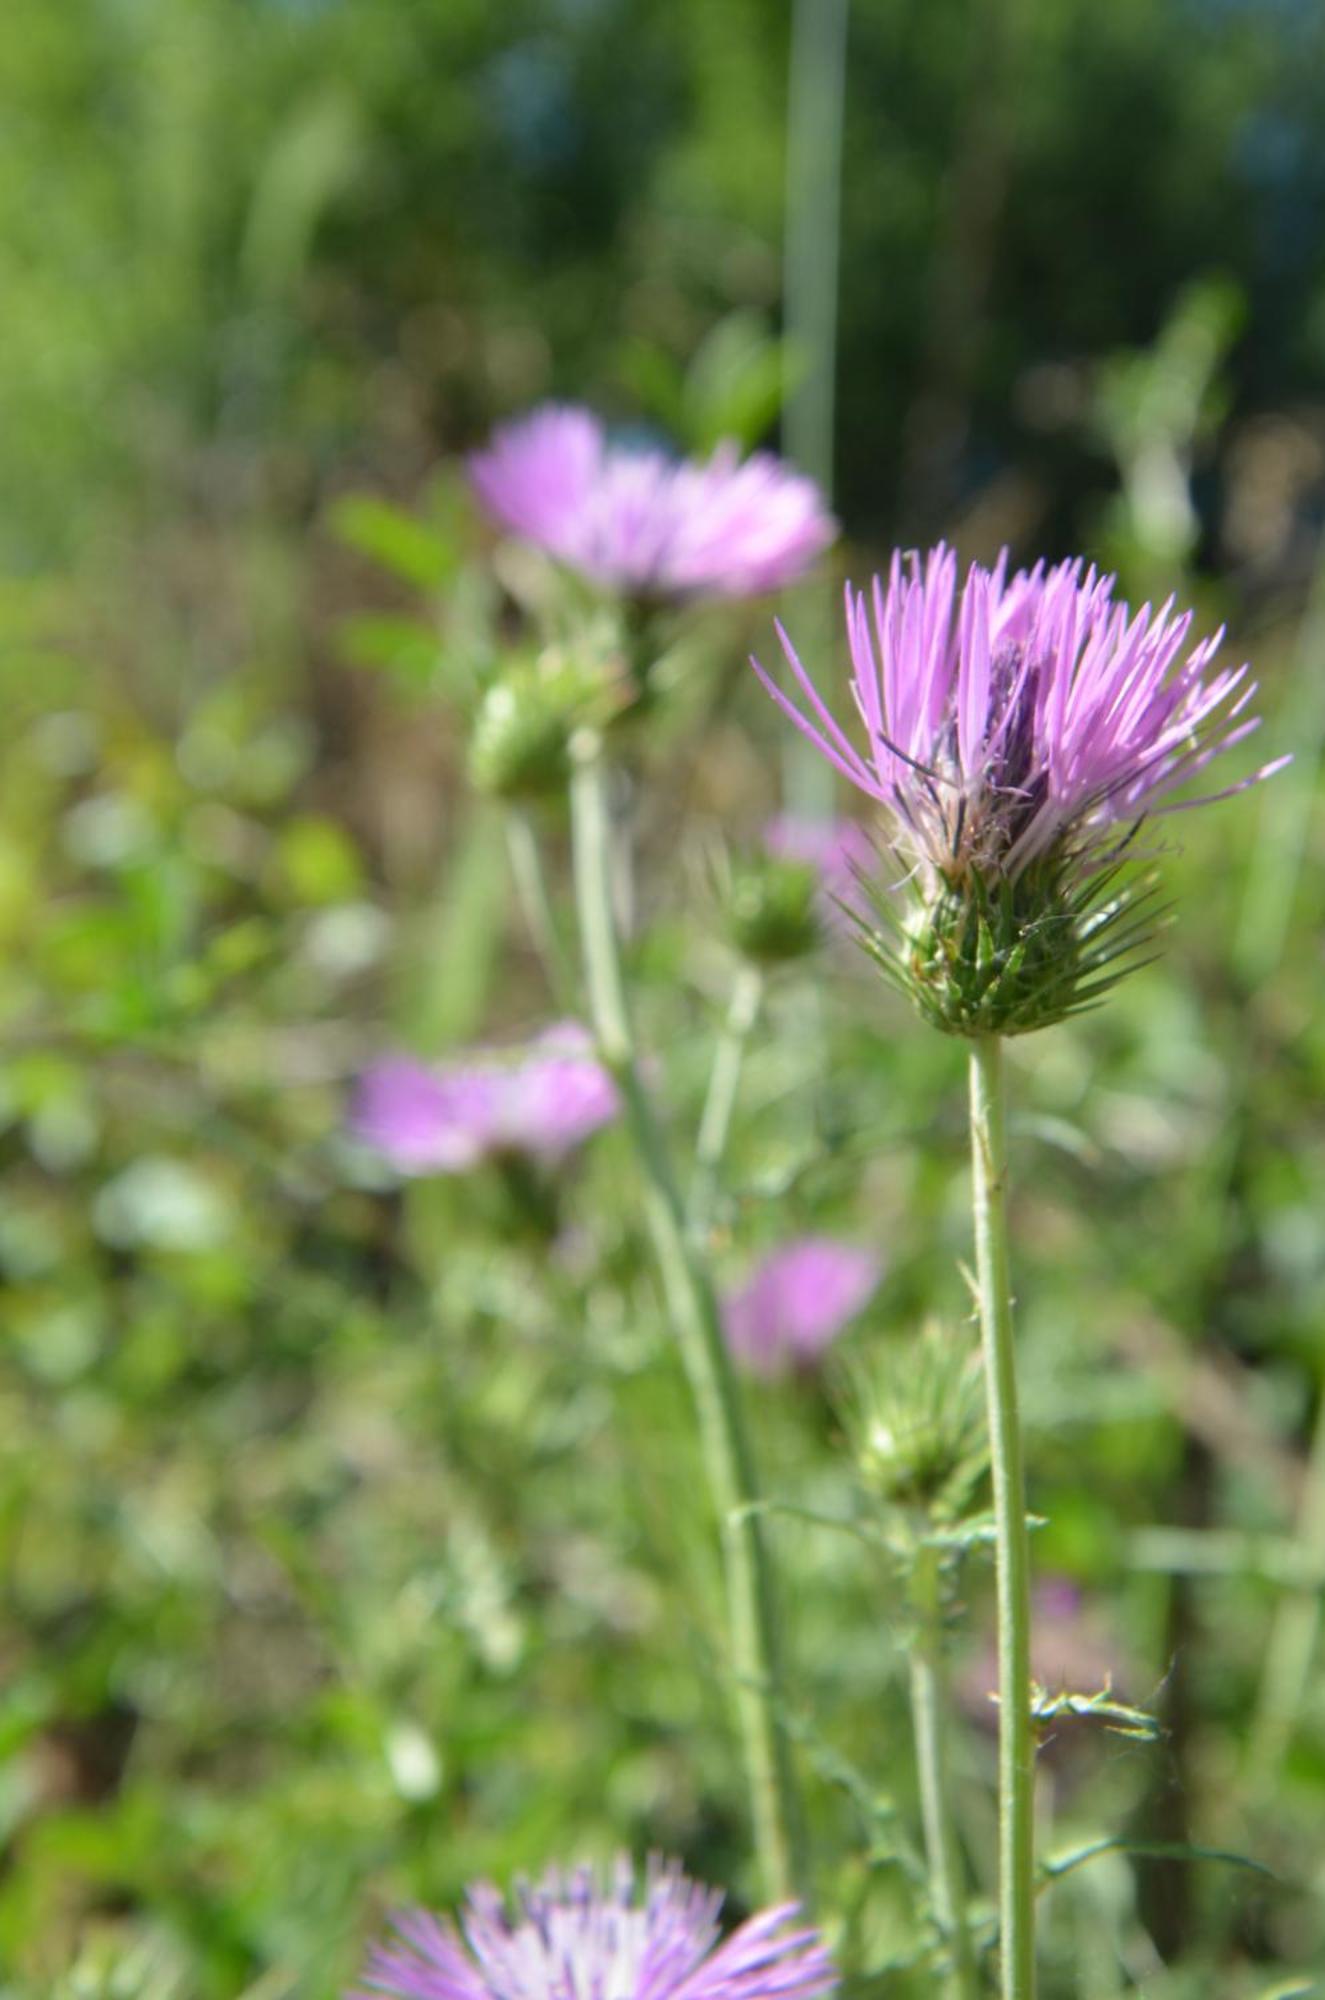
{"type": "Point", "coordinates": [519, 747]}
{"type": "Point", "coordinates": [773, 909]}
{"type": "Point", "coordinates": [917, 1428]}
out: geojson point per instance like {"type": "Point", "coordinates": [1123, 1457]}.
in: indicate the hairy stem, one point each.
{"type": "Point", "coordinates": [693, 1311]}
{"type": "Point", "coordinates": [1016, 1742]}
{"type": "Point", "coordinates": [724, 1081]}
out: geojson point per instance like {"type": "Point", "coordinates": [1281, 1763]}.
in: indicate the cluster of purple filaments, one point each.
{"type": "Point", "coordinates": [643, 524]}
{"type": "Point", "coordinates": [577, 1936]}
{"type": "Point", "coordinates": [1027, 714]}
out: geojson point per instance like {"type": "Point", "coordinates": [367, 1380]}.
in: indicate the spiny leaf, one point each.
{"type": "Point", "coordinates": [1116, 1716]}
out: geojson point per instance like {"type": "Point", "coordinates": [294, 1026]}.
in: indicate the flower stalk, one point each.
{"type": "Point", "coordinates": [724, 1082]}
{"type": "Point", "coordinates": [1016, 1741]}
{"type": "Point", "coordinates": [693, 1311]}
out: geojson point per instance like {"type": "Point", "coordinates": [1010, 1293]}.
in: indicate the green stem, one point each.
{"type": "Point", "coordinates": [1294, 1633]}
{"type": "Point", "coordinates": [1016, 1741]}
{"type": "Point", "coordinates": [536, 905]}
{"type": "Point", "coordinates": [693, 1310]}
{"type": "Point", "coordinates": [927, 1721]}
{"type": "Point", "coordinates": [724, 1081]}
{"type": "Point", "coordinates": [812, 244]}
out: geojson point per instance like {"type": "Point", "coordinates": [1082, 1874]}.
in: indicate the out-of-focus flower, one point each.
{"type": "Point", "coordinates": [1017, 735]}
{"type": "Point", "coordinates": [839, 850]}
{"type": "Point", "coordinates": [577, 1937]}
{"type": "Point", "coordinates": [796, 1303]}
{"type": "Point", "coordinates": [643, 524]}
{"type": "Point", "coordinates": [802, 884]}
{"type": "Point", "coordinates": [541, 1100]}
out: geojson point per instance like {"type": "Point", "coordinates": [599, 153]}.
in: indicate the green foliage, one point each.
{"type": "Point", "coordinates": [731, 391]}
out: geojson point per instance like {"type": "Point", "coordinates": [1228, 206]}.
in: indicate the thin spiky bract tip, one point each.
{"type": "Point", "coordinates": [980, 955]}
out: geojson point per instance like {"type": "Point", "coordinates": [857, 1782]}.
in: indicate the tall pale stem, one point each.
{"type": "Point", "coordinates": [724, 1082]}
{"type": "Point", "coordinates": [693, 1311]}
{"type": "Point", "coordinates": [1016, 1741]}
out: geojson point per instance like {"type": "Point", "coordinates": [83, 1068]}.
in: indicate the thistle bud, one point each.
{"type": "Point", "coordinates": [520, 744]}
{"type": "Point", "coordinates": [773, 909]}
{"type": "Point", "coordinates": [917, 1428]}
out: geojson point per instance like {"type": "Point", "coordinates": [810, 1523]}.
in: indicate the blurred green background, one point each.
{"type": "Point", "coordinates": [350, 1545]}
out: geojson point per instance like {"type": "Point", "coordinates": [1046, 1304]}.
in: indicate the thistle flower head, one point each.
{"type": "Point", "coordinates": [645, 525]}
{"type": "Point", "coordinates": [540, 1102]}
{"type": "Point", "coordinates": [578, 1937]}
{"type": "Point", "coordinates": [796, 1303]}
{"type": "Point", "coordinates": [1016, 733]}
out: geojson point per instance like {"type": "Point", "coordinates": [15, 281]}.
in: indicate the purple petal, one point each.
{"type": "Point", "coordinates": [796, 1303]}
{"type": "Point", "coordinates": [643, 524]}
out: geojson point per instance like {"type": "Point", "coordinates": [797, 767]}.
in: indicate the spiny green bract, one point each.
{"type": "Point", "coordinates": [996, 956]}
{"type": "Point", "coordinates": [519, 748]}
{"type": "Point", "coordinates": [772, 910]}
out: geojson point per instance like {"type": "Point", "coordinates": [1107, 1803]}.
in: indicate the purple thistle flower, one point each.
{"type": "Point", "coordinates": [1017, 733]}
{"type": "Point", "coordinates": [1036, 710]}
{"type": "Point", "coordinates": [796, 1303]}
{"type": "Point", "coordinates": [644, 524]}
{"type": "Point", "coordinates": [542, 1101]}
{"type": "Point", "coordinates": [578, 1937]}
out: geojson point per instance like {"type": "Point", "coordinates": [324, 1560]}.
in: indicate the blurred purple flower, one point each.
{"type": "Point", "coordinates": [797, 1302]}
{"type": "Point", "coordinates": [642, 523]}
{"type": "Point", "coordinates": [839, 850]}
{"type": "Point", "coordinates": [541, 1100]}
{"type": "Point", "coordinates": [578, 1937]}
{"type": "Point", "coordinates": [1034, 715]}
